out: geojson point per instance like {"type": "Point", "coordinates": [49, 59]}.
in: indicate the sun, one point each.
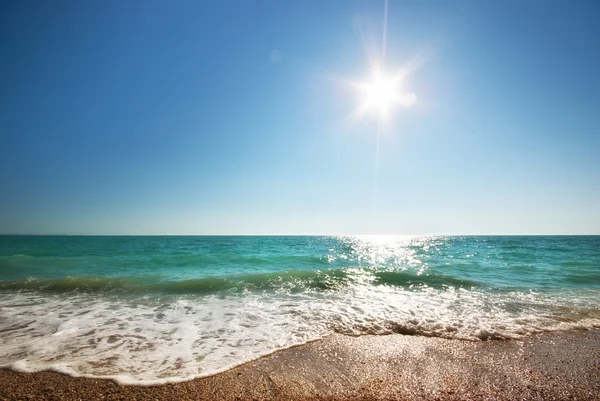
{"type": "Point", "coordinates": [382, 94]}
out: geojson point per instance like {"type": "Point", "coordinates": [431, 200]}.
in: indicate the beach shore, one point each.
{"type": "Point", "coordinates": [559, 365]}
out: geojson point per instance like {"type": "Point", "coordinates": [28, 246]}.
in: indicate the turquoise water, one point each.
{"type": "Point", "coordinates": [156, 309]}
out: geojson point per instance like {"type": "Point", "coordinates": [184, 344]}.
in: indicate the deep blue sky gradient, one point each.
{"type": "Point", "coordinates": [148, 117]}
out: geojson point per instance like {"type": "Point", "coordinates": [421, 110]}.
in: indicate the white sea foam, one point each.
{"type": "Point", "coordinates": [156, 340]}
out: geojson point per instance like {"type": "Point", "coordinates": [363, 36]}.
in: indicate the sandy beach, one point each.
{"type": "Point", "coordinates": [559, 365]}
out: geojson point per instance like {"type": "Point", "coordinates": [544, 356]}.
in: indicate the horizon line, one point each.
{"type": "Point", "coordinates": [304, 235]}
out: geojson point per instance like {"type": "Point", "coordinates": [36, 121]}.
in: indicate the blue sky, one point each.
{"type": "Point", "coordinates": [236, 118]}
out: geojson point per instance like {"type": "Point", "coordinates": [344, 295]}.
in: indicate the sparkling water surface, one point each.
{"type": "Point", "coordinates": [156, 309]}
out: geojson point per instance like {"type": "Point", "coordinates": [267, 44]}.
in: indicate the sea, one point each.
{"type": "Point", "coordinates": [155, 309]}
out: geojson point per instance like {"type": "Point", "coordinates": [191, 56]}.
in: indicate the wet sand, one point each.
{"type": "Point", "coordinates": [563, 365]}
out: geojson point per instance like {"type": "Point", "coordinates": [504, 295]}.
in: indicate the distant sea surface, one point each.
{"type": "Point", "coordinates": [157, 309]}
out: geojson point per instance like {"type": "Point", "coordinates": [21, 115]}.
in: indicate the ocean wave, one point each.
{"type": "Point", "coordinates": [149, 310]}
{"type": "Point", "coordinates": [180, 337]}
{"type": "Point", "coordinates": [289, 280]}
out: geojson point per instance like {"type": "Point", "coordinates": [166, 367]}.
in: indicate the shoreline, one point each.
{"type": "Point", "coordinates": [560, 365]}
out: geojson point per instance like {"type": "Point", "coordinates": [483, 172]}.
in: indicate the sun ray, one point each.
{"type": "Point", "coordinates": [381, 94]}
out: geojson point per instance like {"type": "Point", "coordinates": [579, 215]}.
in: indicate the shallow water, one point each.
{"type": "Point", "coordinates": [155, 309]}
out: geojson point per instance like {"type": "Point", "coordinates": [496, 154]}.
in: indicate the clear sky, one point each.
{"type": "Point", "coordinates": [244, 117]}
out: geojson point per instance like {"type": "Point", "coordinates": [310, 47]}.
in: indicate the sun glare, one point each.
{"type": "Point", "coordinates": [382, 94]}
